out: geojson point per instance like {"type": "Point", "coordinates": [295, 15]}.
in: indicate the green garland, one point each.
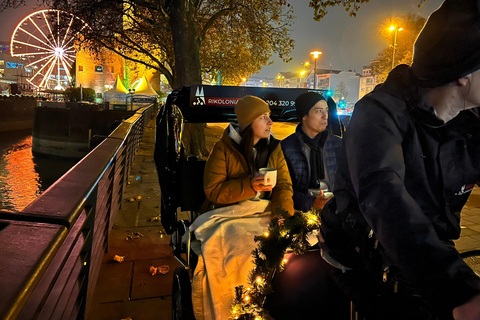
{"type": "Point", "coordinates": [284, 232]}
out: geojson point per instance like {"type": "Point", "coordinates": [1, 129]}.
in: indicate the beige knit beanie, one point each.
{"type": "Point", "coordinates": [249, 108]}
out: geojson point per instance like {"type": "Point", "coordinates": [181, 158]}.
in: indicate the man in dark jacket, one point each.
{"type": "Point", "coordinates": [312, 150]}
{"type": "Point", "coordinates": [411, 158]}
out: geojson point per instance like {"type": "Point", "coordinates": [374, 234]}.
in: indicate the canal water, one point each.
{"type": "Point", "coordinates": [23, 177]}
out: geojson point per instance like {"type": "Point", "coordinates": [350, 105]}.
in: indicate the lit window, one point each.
{"type": "Point", "coordinates": [112, 69]}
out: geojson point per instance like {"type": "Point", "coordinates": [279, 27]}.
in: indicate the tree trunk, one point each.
{"type": "Point", "coordinates": [185, 44]}
{"type": "Point", "coordinates": [187, 67]}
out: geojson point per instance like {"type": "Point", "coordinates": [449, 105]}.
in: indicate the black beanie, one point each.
{"type": "Point", "coordinates": [305, 102]}
{"type": "Point", "coordinates": [448, 47]}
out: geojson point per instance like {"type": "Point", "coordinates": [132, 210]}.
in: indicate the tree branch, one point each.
{"type": "Point", "coordinates": [211, 21]}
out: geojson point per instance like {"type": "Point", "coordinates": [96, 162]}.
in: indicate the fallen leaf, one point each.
{"type": "Point", "coordinates": [163, 269]}
{"type": "Point", "coordinates": [159, 270]}
{"type": "Point", "coordinates": [134, 235]}
{"type": "Point", "coordinates": [153, 270]}
{"type": "Point", "coordinates": [157, 218]}
{"type": "Point", "coordinates": [118, 258]}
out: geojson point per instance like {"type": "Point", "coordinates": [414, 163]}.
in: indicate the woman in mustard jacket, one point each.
{"type": "Point", "coordinates": [226, 234]}
{"type": "Point", "coordinates": [231, 172]}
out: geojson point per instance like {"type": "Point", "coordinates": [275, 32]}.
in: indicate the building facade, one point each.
{"type": "Point", "coordinates": [98, 71]}
{"type": "Point", "coordinates": [367, 81]}
{"type": "Point", "coordinates": [14, 72]}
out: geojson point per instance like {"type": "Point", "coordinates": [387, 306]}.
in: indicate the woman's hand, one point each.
{"type": "Point", "coordinates": [320, 201]}
{"type": "Point", "coordinates": [469, 310]}
{"type": "Point", "coordinates": [258, 184]}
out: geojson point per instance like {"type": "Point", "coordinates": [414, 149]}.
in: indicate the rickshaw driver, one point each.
{"type": "Point", "coordinates": [410, 159]}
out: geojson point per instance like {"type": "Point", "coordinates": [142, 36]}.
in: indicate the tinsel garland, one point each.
{"type": "Point", "coordinates": [284, 232]}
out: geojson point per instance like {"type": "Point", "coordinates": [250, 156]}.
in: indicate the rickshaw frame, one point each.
{"type": "Point", "coordinates": [181, 177]}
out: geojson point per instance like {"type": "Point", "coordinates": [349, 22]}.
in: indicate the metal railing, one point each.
{"type": "Point", "coordinates": [51, 252]}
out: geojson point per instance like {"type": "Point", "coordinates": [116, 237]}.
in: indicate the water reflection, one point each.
{"type": "Point", "coordinates": [20, 182]}
{"type": "Point", "coordinates": [24, 177]}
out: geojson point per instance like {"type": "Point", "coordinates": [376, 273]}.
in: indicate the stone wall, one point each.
{"type": "Point", "coordinates": [68, 132]}
{"type": "Point", "coordinates": [16, 112]}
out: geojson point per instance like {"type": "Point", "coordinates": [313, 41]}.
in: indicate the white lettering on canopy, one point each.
{"type": "Point", "coordinates": [222, 101]}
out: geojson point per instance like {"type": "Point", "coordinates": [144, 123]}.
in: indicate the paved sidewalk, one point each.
{"type": "Point", "coordinates": [470, 224]}
{"type": "Point", "coordinates": [127, 290]}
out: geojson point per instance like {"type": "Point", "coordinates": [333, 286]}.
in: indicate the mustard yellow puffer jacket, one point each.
{"type": "Point", "coordinates": [227, 178]}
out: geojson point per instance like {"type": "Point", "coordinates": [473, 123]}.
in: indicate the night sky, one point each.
{"type": "Point", "coordinates": [346, 43]}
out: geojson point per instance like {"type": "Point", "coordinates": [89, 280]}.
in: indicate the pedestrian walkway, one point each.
{"type": "Point", "coordinates": [127, 290]}
{"type": "Point", "coordinates": [470, 224]}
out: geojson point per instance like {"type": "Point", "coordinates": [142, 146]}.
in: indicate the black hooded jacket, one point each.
{"type": "Point", "coordinates": [406, 175]}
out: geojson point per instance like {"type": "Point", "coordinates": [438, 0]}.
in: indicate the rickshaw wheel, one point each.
{"type": "Point", "coordinates": [182, 307]}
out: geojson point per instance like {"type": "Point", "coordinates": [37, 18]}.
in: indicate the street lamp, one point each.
{"type": "Point", "coordinates": [316, 55]}
{"type": "Point", "coordinates": [244, 80]}
{"type": "Point", "coordinates": [280, 79]}
{"type": "Point", "coordinates": [396, 29]}
{"type": "Point", "coordinates": [132, 92]}
{"type": "Point", "coordinates": [302, 73]}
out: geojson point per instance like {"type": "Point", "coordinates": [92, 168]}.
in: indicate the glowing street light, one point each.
{"type": "Point", "coordinates": [396, 29]}
{"type": "Point", "coordinates": [280, 79]}
{"type": "Point", "coordinates": [316, 55]}
{"type": "Point", "coordinates": [302, 74]}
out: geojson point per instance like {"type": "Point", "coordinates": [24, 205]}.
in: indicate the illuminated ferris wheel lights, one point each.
{"type": "Point", "coordinates": [59, 52]}
{"type": "Point", "coordinates": [41, 38]}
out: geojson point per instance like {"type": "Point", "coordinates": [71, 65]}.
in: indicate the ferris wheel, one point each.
{"type": "Point", "coordinates": [45, 40]}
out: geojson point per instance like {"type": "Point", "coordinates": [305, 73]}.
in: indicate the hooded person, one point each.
{"type": "Point", "coordinates": [311, 152]}
{"type": "Point", "coordinates": [410, 158]}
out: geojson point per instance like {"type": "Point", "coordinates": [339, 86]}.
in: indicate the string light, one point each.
{"type": "Point", "coordinates": [284, 232]}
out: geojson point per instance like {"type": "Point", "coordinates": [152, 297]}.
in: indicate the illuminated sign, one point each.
{"type": "Point", "coordinates": [13, 65]}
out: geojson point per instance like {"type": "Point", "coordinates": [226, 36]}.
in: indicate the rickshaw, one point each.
{"type": "Point", "coordinates": [303, 287]}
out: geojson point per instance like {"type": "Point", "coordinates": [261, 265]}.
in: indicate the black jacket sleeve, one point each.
{"type": "Point", "coordinates": [373, 144]}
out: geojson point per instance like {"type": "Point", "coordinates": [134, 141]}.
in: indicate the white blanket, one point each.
{"type": "Point", "coordinates": [226, 238]}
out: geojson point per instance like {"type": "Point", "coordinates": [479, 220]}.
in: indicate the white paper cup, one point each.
{"type": "Point", "coordinates": [269, 175]}
{"type": "Point", "coordinates": [327, 195]}
{"type": "Point", "coordinates": [315, 192]}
